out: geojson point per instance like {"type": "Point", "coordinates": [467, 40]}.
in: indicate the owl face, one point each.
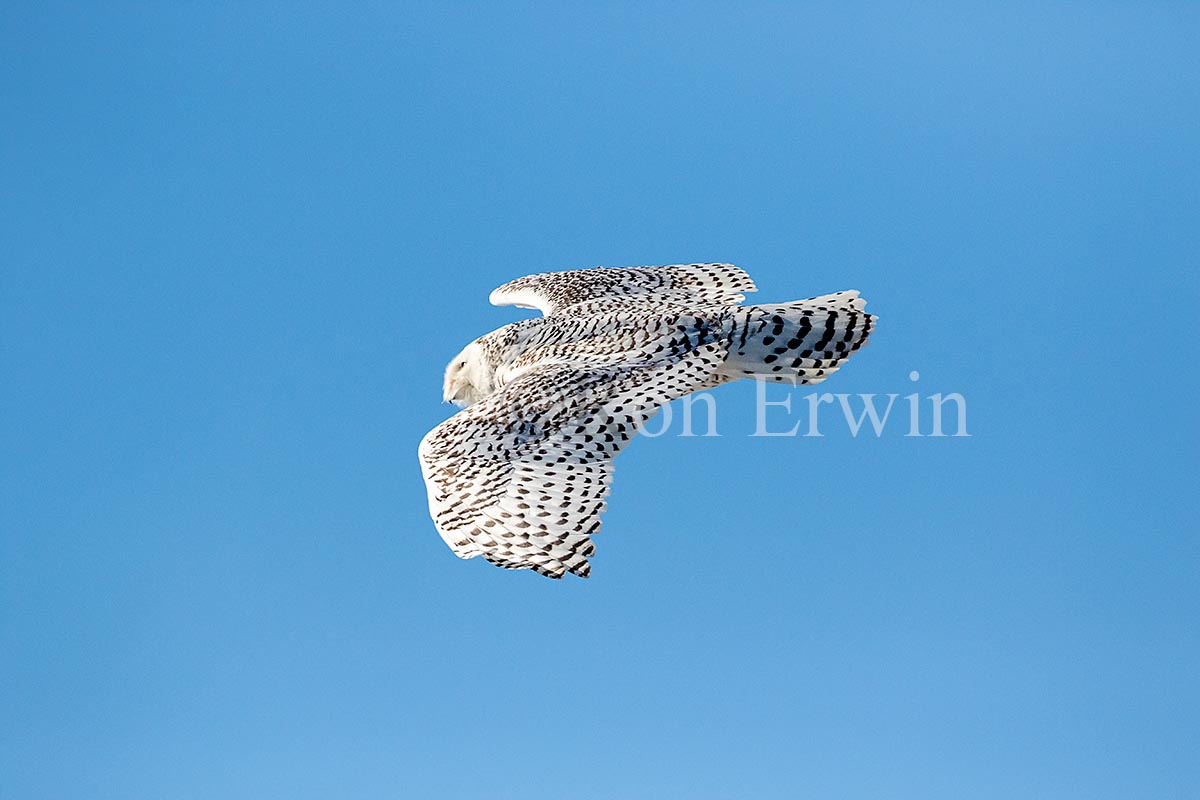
{"type": "Point", "coordinates": [469, 378]}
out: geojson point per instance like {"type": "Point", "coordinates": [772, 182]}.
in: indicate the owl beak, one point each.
{"type": "Point", "coordinates": [453, 393]}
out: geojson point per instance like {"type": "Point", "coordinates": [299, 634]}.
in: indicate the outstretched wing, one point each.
{"type": "Point", "coordinates": [520, 477]}
{"type": "Point", "coordinates": [553, 292]}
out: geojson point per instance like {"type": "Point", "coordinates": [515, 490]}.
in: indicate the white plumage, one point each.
{"type": "Point", "coordinates": [520, 475]}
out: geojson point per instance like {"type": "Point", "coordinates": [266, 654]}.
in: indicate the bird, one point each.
{"type": "Point", "coordinates": [520, 474]}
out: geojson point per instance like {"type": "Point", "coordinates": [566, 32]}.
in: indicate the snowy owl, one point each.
{"type": "Point", "coordinates": [519, 476]}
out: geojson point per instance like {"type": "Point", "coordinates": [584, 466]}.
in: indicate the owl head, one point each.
{"type": "Point", "coordinates": [469, 377]}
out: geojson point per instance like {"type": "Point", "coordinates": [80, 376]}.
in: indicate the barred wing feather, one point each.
{"type": "Point", "coordinates": [520, 477]}
{"type": "Point", "coordinates": [553, 292]}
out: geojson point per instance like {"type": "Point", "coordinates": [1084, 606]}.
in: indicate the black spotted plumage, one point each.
{"type": "Point", "coordinates": [520, 476]}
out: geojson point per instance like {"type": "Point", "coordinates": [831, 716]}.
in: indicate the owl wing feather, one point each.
{"type": "Point", "coordinates": [556, 292]}
{"type": "Point", "coordinates": [520, 477]}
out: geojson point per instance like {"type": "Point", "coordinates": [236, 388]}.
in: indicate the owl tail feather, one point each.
{"type": "Point", "coordinates": [803, 342]}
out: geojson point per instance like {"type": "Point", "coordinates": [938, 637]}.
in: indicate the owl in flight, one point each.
{"type": "Point", "coordinates": [519, 476]}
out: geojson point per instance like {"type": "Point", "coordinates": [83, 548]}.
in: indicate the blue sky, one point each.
{"type": "Point", "coordinates": [242, 240]}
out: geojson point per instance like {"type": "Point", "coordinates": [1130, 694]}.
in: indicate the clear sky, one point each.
{"type": "Point", "coordinates": [241, 240]}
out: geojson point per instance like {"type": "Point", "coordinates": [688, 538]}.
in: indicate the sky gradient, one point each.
{"type": "Point", "coordinates": [241, 241]}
